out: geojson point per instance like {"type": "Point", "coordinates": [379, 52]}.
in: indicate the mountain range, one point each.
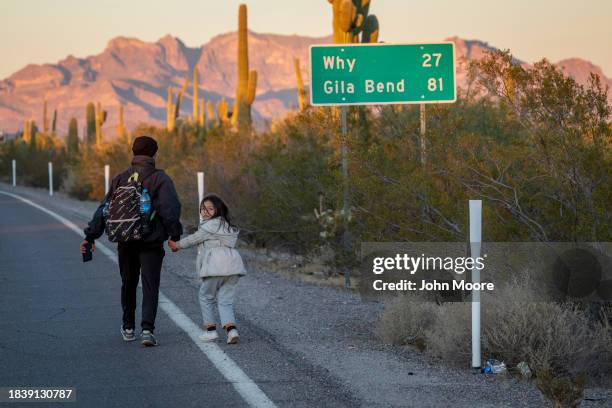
{"type": "Point", "coordinates": [137, 74]}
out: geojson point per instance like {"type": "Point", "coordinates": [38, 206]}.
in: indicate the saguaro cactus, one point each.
{"type": "Point", "coordinates": [247, 80]}
{"type": "Point", "coordinates": [195, 94]}
{"type": "Point", "coordinates": [222, 111]}
{"type": "Point", "coordinates": [170, 111]}
{"type": "Point", "coordinates": [27, 131]}
{"type": "Point", "coordinates": [370, 29]}
{"type": "Point", "coordinates": [210, 112]}
{"type": "Point", "coordinates": [251, 90]}
{"type": "Point", "coordinates": [98, 124]}
{"type": "Point", "coordinates": [91, 123]}
{"type": "Point", "coordinates": [302, 96]}
{"type": "Point", "coordinates": [351, 22]}
{"type": "Point", "coordinates": [45, 117]}
{"type": "Point", "coordinates": [173, 109]}
{"type": "Point", "coordinates": [201, 117]}
{"type": "Point", "coordinates": [120, 124]}
{"type": "Point", "coordinates": [100, 119]}
{"type": "Point", "coordinates": [72, 140]}
{"type": "Point", "coordinates": [179, 98]}
{"type": "Point", "coordinates": [33, 130]}
{"type": "Point", "coordinates": [54, 122]}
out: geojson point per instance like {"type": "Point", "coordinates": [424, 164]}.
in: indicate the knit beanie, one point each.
{"type": "Point", "coordinates": [144, 146]}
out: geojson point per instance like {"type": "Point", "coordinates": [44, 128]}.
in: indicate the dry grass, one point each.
{"type": "Point", "coordinates": [405, 322]}
{"type": "Point", "coordinates": [560, 343]}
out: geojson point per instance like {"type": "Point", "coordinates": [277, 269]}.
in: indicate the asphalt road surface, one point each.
{"type": "Point", "coordinates": [60, 321]}
{"type": "Point", "coordinates": [302, 344]}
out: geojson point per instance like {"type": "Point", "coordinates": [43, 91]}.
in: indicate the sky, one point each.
{"type": "Point", "coordinates": [46, 31]}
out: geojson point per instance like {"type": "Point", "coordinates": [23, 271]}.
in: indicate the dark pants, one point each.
{"type": "Point", "coordinates": [136, 258]}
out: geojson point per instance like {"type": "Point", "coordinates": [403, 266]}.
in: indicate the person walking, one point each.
{"type": "Point", "coordinates": [149, 191]}
{"type": "Point", "coordinates": [218, 264]}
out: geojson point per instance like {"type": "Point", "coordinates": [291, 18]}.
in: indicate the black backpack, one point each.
{"type": "Point", "coordinates": [124, 222]}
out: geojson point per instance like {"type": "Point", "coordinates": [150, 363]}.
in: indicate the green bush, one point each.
{"type": "Point", "coordinates": [32, 160]}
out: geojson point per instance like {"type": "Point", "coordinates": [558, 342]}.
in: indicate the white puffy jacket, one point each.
{"type": "Point", "coordinates": [217, 255]}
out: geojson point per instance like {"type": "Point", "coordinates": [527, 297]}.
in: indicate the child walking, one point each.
{"type": "Point", "coordinates": [218, 264]}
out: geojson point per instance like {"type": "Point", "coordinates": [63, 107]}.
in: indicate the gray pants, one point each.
{"type": "Point", "coordinates": [218, 290]}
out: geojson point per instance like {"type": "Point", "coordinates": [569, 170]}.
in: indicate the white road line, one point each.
{"type": "Point", "coordinates": [246, 387]}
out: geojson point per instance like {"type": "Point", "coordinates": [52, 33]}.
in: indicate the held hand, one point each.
{"type": "Point", "coordinates": [82, 247]}
{"type": "Point", "coordinates": [172, 245]}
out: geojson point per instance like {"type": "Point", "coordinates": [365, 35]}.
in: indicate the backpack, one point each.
{"type": "Point", "coordinates": [124, 221]}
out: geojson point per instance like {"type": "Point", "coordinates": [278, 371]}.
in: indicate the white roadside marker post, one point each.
{"type": "Point", "coordinates": [106, 178]}
{"type": "Point", "coordinates": [200, 190]}
{"type": "Point", "coordinates": [14, 173]}
{"type": "Point", "coordinates": [51, 179]}
{"type": "Point", "coordinates": [475, 245]}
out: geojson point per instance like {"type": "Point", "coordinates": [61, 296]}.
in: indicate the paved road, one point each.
{"type": "Point", "coordinates": [302, 344]}
{"type": "Point", "coordinates": [59, 326]}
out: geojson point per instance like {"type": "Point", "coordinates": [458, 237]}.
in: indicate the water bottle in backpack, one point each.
{"type": "Point", "coordinates": [105, 211]}
{"type": "Point", "coordinates": [145, 211]}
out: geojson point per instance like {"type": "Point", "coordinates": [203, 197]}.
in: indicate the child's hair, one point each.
{"type": "Point", "coordinates": [221, 209]}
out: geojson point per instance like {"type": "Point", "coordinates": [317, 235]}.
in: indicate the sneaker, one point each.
{"type": "Point", "coordinates": [127, 334]}
{"type": "Point", "coordinates": [211, 335]}
{"type": "Point", "coordinates": [148, 339]}
{"type": "Point", "coordinates": [232, 337]}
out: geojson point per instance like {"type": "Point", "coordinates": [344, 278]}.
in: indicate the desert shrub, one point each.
{"type": "Point", "coordinates": [561, 344]}
{"type": "Point", "coordinates": [85, 179]}
{"type": "Point", "coordinates": [450, 336]}
{"type": "Point", "coordinates": [291, 166]}
{"type": "Point", "coordinates": [32, 159]}
{"type": "Point", "coordinates": [406, 322]}
{"type": "Point", "coordinates": [556, 337]}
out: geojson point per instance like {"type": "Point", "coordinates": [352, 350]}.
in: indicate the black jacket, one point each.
{"type": "Point", "coordinates": [163, 199]}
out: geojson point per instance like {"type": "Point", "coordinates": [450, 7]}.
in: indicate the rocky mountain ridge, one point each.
{"type": "Point", "coordinates": [137, 74]}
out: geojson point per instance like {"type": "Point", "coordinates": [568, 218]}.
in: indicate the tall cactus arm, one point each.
{"type": "Point", "coordinates": [347, 15]}
{"type": "Point", "coordinates": [210, 111]}
{"type": "Point", "coordinates": [370, 30]}
{"type": "Point", "coordinates": [252, 88]}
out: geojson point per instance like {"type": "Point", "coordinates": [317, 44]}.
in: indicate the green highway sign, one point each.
{"type": "Point", "coordinates": [372, 74]}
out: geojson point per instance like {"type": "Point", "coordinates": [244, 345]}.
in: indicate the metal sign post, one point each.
{"type": "Point", "coordinates": [475, 246]}
{"type": "Point", "coordinates": [422, 134]}
{"type": "Point", "coordinates": [14, 163]}
{"type": "Point", "coordinates": [345, 192]}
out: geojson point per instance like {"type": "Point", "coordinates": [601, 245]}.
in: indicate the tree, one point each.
{"type": "Point", "coordinates": [558, 185]}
